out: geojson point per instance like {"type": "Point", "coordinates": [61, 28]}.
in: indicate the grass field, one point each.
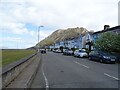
{"type": "Point", "coordinates": [9, 56]}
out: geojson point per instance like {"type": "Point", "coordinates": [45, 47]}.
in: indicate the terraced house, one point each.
{"type": "Point", "coordinates": [75, 42]}
{"type": "Point", "coordinates": [107, 28]}
{"type": "Point", "coordinates": [85, 41]}
{"type": "Point", "coordinates": [93, 37]}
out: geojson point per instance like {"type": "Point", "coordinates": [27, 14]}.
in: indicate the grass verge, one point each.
{"type": "Point", "coordinates": [10, 56]}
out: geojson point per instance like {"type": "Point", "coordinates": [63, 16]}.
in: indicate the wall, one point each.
{"type": "Point", "coordinates": [10, 73]}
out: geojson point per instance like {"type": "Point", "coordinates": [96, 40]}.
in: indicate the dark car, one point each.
{"type": "Point", "coordinates": [43, 51]}
{"type": "Point", "coordinates": [102, 57]}
{"type": "Point", "coordinates": [68, 52]}
{"type": "Point", "coordinates": [117, 55]}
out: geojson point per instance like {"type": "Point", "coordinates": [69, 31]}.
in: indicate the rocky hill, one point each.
{"type": "Point", "coordinates": [63, 34]}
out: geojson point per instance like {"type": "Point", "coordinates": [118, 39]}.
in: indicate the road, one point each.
{"type": "Point", "coordinates": [60, 71]}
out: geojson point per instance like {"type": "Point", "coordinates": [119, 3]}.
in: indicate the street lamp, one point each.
{"type": "Point", "coordinates": [38, 36]}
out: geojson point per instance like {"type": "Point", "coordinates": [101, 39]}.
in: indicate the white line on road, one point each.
{"type": "Point", "coordinates": [111, 76]}
{"type": "Point", "coordinates": [46, 80]}
{"type": "Point", "coordinates": [82, 65]}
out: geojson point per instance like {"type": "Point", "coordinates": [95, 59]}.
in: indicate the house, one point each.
{"type": "Point", "coordinates": [57, 45]}
{"type": "Point", "coordinates": [97, 35]}
{"type": "Point", "coordinates": [78, 42]}
{"type": "Point", "coordinates": [61, 43]}
{"type": "Point", "coordinates": [88, 40]}
{"type": "Point", "coordinates": [75, 42]}
{"type": "Point", "coordinates": [51, 46]}
{"type": "Point", "coordinates": [85, 41]}
{"type": "Point", "coordinates": [70, 43]}
{"type": "Point", "coordinates": [90, 37]}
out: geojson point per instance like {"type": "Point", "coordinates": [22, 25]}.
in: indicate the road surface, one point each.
{"type": "Point", "coordinates": [60, 71]}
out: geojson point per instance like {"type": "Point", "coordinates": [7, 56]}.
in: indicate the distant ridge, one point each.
{"type": "Point", "coordinates": [63, 34]}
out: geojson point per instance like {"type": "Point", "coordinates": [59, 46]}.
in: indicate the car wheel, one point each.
{"type": "Point", "coordinates": [90, 58]}
{"type": "Point", "coordinates": [79, 56]}
{"type": "Point", "coordinates": [113, 62]}
{"type": "Point", "coordinates": [101, 60]}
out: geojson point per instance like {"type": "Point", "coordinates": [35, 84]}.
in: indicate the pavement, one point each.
{"type": "Point", "coordinates": [60, 71]}
{"type": "Point", "coordinates": [25, 78]}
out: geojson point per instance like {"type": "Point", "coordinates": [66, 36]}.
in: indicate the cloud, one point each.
{"type": "Point", "coordinates": [15, 42]}
{"type": "Point", "coordinates": [64, 13]}
{"type": "Point", "coordinates": [55, 14]}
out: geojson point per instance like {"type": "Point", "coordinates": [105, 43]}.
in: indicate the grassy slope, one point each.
{"type": "Point", "coordinates": [9, 56]}
{"type": "Point", "coordinates": [63, 34]}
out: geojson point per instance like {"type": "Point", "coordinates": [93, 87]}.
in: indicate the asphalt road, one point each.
{"type": "Point", "coordinates": [60, 71]}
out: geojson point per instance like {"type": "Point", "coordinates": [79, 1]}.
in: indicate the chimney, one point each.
{"type": "Point", "coordinates": [106, 27]}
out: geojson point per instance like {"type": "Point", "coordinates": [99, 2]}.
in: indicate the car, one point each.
{"type": "Point", "coordinates": [68, 52]}
{"type": "Point", "coordinates": [57, 51]}
{"type": "Point", "coordinates": [43, 51]}
{"type": "Point", "coordinates": [117, 55]}
{"type": "Point", "coordinates": [80, 53]}
{"type": "Point", "coordinates": [65, 52]}
{"type": "Point", "coordinates": [54, 50]}
{"type": "Point", "coordinates": [102, 56]}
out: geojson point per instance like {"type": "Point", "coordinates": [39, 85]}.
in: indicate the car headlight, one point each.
{"type": "Point", "coordinates": [106, 57]}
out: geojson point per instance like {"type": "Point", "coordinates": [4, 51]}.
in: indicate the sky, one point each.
{"type": "Point", "coordinates": [20, 19]}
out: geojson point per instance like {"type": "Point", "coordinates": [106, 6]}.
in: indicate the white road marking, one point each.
{"type": "Point", "coordinates": [82, 65]}
{"type": "Point", "coordinates": [46, 80]}
{"type": "Point", "coordinates": [111, 76]}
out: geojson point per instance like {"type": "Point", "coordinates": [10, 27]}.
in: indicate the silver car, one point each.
{"type": "Point", "coordinates": [80, 53]}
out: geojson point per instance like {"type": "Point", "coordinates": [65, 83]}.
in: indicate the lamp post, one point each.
{"type": "Point", "coordinates": [38, 36]}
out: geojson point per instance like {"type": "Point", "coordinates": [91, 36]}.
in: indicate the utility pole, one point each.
{"type": "Point", "coordinates": [38, 36]}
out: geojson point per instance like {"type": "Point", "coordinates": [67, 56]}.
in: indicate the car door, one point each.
{"type": "Point", "coordinates": [79, 52]}
{"type": "Point", "coordinates": [96, 55]}
{"type": "Point", "coordinates": [76, 53]}
{"type": "Point", "coordinates": [93, 55]}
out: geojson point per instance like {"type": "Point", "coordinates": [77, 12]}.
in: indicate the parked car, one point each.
{"type": "Point", "coordinates": [54, 50]}
{"type": "Point", "coordinates": [118, 56]}
{"type": "Point", "coordinates": [80, 53]}
{"type": "Point", "coordinates": [43, 51]}
{"type": "Point", "coordinates": [57, 51]}
{"type": "Point", "coordinates": [102, 56]}
{"type": "Point", "coordinates": [68, 52]}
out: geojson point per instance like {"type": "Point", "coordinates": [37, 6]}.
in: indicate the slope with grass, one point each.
{"type": "Point", "coordinates": [10, 56]}
{"type": "Point", "coordinates": [63, 34]}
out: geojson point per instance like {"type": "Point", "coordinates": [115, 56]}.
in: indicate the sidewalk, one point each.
{"type": "Point", "coordinates": [27, 75]}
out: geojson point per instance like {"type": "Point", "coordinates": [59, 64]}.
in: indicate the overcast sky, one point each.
{"type": "Point", "coordinates": [19, 19]}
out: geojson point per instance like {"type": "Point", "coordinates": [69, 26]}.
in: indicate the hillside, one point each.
{"type": "Point", "coordinates": [63, 34]}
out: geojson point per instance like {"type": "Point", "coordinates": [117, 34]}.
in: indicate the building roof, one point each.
{"type": "Point", "coordinates": [110, 29]}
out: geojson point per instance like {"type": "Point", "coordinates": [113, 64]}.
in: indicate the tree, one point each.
{"type": "Point", "coordinates": [108, 41]}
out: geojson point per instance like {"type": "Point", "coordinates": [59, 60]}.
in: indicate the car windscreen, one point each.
{"type": "Point", "coordinates": [82, 51]}
{"type": "Point", "coordinates": [105, 53]}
